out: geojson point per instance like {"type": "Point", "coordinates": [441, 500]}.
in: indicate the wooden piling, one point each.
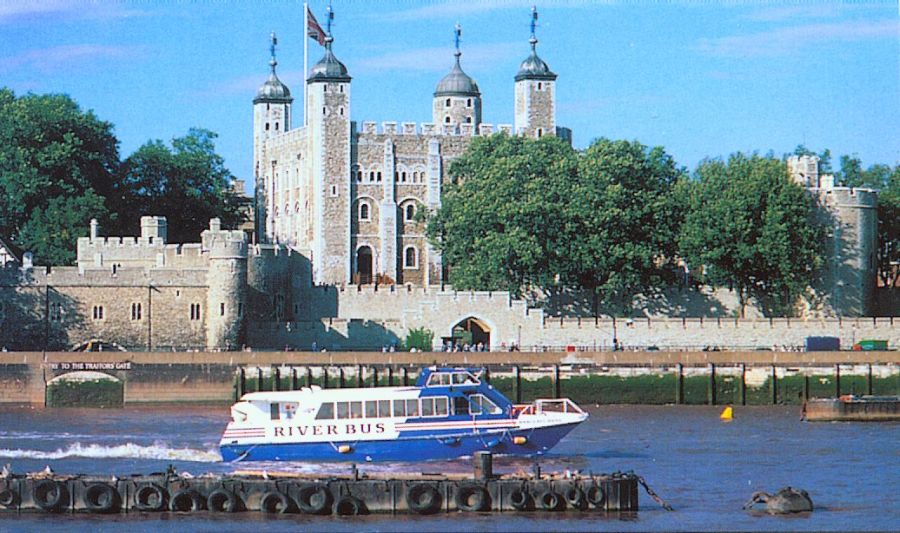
{"type": "Point", "coordinates": [390, 376]}
{"type": "Point", "coordinates": [360, 376]}
{"type": "Point", "coordinates": [869, 379]}
{"type": "Point", "coordinates": [259, 379]}
{"type": "Point", "coordinates": [774, 385]}
{"type": "Point", "coordinates": [679, 384]}
{"type": "Point", "coordinates": [405, 377]}
{"type": "Point", "coordinates": [341, 378]}
{"type": "Point", "coordinates": [743, 384]}
{"type": "Point", "coordinates": [517, 373]}
{"type": "Point", "coordinates": [806, 387]}
{"type": "Point", "coordinates": [276, 378]}
{"type": "Point", "coordinates": [242, 383]}
{"type": "Point", "coordinates": [374, 376]}
{"type": "Point", "coordinates": [324, 377]}
{"type": "Point", "coordinates": [837, 380]}
{"type": "Point", "coordinates": [295, 382]}
{"type": "Point", "coordinates": [309, 377]}
{"type": "Point", "coordinates": [557, 388]}
{"type": "Point", "coordinates": [711, 385]}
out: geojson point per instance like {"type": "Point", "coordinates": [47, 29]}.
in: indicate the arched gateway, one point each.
{"type": "Point", "coordinates": [471, 331]}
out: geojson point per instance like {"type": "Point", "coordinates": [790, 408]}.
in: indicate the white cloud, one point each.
{"type": "Point", "coordinates": [66, 57]}
{"type": "Point", "coordinates": [16, 10]}
{"type": "Point", "coordinates": [783, 41]}
{"type": "Point", "coordinates": [440, 59]}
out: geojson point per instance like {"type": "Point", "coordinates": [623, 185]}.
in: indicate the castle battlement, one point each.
{"type": "Point", "coordinates": [849, 197]}
{"type": "Point", "coordinates": [288, 138]}
{"type": "Point", "coordinates": [429, 129]}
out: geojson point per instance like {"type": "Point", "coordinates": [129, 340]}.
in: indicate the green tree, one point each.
{"type": "Point", "coordinates": [501, 225]}
{"type": "Point", "coordinates": [419, 338]}
{"type": "Point", "coordinates": [889, 230]}
{"type": "Point", "coordinates": [622, 221]}
{"type": "Point", "coordinates": [754, 230]}
{"type": "Point", "coordinates": [57, 165]}
{"type": "Point", "coordinates": [187, 183]}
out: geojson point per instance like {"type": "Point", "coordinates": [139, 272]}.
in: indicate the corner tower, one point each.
{"type": "Point", "coordinates": [271, 116]}
{"type": "Point", "coordinates": [457, 99]}
{"type": "Point", "coordinates": [535, 93]}
{"type": "Point", "coordinates": [328, 135]}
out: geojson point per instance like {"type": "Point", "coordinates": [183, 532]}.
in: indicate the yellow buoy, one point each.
{"type": "Point", "coordinates": [345, 448]}
{"type": "Point", "coordinates": [519, 440]}
{"type": "Point", "coordinates": [727, 413]}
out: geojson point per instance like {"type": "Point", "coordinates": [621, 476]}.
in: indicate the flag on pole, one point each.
{"type": "Point", "coordinates": [313, 29]}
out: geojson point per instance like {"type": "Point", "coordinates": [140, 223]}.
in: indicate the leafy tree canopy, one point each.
{"type": "Point", "coordinates": [754, 230]}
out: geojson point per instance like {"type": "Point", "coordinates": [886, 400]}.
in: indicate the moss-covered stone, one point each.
{"type": "Point", "coordinates": [93, 393]}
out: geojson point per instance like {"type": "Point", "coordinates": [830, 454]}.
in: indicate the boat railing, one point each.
{"type": "Point", "coordinates": [561, 405]}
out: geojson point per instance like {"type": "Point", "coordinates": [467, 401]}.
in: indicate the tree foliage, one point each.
{"type": "Point", "coordinates": [889, 230]}
{"type": "Point", "coordinates": [57, 166]}
{"type": "Point", "coordinates": [754, 230]}
{"type": "Point", "coordinates": [187, 183]}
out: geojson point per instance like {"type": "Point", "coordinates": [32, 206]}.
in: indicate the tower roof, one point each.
{"type": "Point", "coordinates": [534, 68]}
{"type": "Point", "coordinates": [457, 82]}
{"type": "Point", "coordinates": [273, 90]}
{"type": "Point", "coordinates": [328, 68]}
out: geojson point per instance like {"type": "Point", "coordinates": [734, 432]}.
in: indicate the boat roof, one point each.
{"type": "Point", "coordinates": [330, 395]}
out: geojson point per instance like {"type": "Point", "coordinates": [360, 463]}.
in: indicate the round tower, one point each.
{"type": "Point", "coordinates": [328, 135]}
{"type": "Point", "coordinates": [457, 99]}
{"type": "Point", "coordinates": [535, 93]}
{"type": "Point", "coordinates": [271, 117]}
{"type": "Point", "coordinates": [226, 278]}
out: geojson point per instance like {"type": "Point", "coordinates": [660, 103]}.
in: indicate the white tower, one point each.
{"type": "Point", "coordinates": [535, 93]}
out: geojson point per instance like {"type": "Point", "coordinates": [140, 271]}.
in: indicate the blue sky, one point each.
{"type": "Point", "coordinates": [702, 79]}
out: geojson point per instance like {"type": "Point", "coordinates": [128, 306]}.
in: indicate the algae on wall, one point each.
{"type": "Point", "coordinates": [88, 393]}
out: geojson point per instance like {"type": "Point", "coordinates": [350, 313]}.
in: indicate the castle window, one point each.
{"type": "Point", "coordinates": [447, 120]}
{"type": "Point", "coordinates": [539, 132]}
{"type": "Point", "coordinates": [540, 86]}
{"type": "Point", "coordinates": [447, 103]}
{"type": "Point", "coordinates": [410, 212]}
{"type": "Point", "coordinates": [410, 257]}
{"type": "Point", "coordinates": [469, 102]}
{"type": "Point", "coordinates": [342, 111]}
{"type": "Point", "coordinates": [195, 311]}
{"type": "Point", "coordinates": [324, 111]}
{"type": "Point", "coordinates": [222, 309]}
{"type": "Point", "coordinates": [296, 207]}
{"type": "Point", "coordinates": [136, 311]}
{"type": "Point", "coordinates": [267, 126]}
{"type": "Point", "coordinates": [334, 190]}
{"type": "Point", "coordinates": [56, 311]}
{"type": "Point", "coordinates": [468, 120]}
{"type": "Point", "coordinates": [341, 87]}
{"type": "Point", "coordinates": [325, 88]}
{"type": "Point", "coordinates": [240, 309]}
{"type": "Point", "coordinates": [98, 312]}
{"type": "Point", "coordinates": [378, 176]}
{"type": "Point", "coordinates": [403, 176]}
{"type": "Point", "coordinates": [364, 211]}
{"type": "Point", "coordinates": [267, 107]}
{"type": "Point", "coordinates": [276, 126]}
{"type": "Point", "coordinates": [371, 175]}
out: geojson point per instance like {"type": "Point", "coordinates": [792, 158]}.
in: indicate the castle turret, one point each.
{"type": "Point", "coordinates": [535, 93]}
{"type": "Point", "coordinates": [328, 91]}
{"type": "Point", "coordinates": [457, 99]}
{"type": "Point", "coordinates": [271, 116]}
{"type": "Point", "coordinates": [226, 299]}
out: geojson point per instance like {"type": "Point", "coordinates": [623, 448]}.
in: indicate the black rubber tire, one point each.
{"type": "Point", "coordinates": [9, 498]}
{"type": "Point", "coordinates": [596, 496]}
{"type": "Point", "coordinates": [275, 503]}
{"type": "Point", "coordinates": [473, 498]}
{"type": "Point", "coordinates": [550, 501]}
{"type": "Point", "coordinates": [101, 498]}
{"type": "Point", "coordinates": [423, 498]}
{"type": "Point", "coordinates": [186, 501]}
{"type": "Point", "coordinates": [349, 506]}
{"type": "Point", "coordinates": [222, 501]}
{"type": "Point", "coordinates": [520, 500]}
{"type": "Point", "coordinates": [575, 497]}
{"type": "Point", "coordinates": [49, 495]}
{"type": "Point", "coordinates": [150, 498]}
{"type": "Point", "coordinates": [314, 499]}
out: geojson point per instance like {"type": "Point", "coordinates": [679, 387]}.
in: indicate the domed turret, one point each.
{"type": "Point", "coordinates": [535, 93]}
{"type": "Point", "coordinates": [273, 90]}
{"type": "Point", "coordinates": [457, 99]}
{"type": "Point", "coordinates": [534, 68]}
{"type": "Point", "coordinates": [328, 68]}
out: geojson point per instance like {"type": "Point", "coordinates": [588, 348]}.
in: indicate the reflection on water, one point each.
{"type": "Point", "coordinates": [707, 469]}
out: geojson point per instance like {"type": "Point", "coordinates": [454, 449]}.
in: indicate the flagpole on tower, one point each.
{"type": "Point", "coordinates": [305, 60]}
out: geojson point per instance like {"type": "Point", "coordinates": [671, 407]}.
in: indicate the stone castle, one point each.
{"type": "Point", "coordinates": [338, 258]}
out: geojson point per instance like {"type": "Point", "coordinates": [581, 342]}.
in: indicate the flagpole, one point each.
{"type": "Point", "coordinates": [305, 60]}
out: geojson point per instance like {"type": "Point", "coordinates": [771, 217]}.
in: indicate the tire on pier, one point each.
{"type": "Point", "coordinates": [521, 500]}
{"type": "Point", "coordinates": [423, 498]}
{"type": "Point", "coordinates": [9, 498]}
{"type": "Point", "coordinates": [275, 502]}
{"type": "Point", "coordinates": [185, 501]}
{"type": "Point", "coordinates": [350, 506]}
{"type": "Point", "coordinates": [314, 498]}
{"type": "Point", "coordinates": [150, 498]}
{"type": "Point", "coordinates": [101, 498]}
{"type": "Point", "coordinates": [575, 497]}
{"type": "Point", "coordinates": [223, 501]}
{"type": "Point", "coordinates": [50, 495]}
{"type": "Point", "coordinates": [473, 498]}
{"type": "Point", "coordinates": [596, 496]}
{"type": "Point", "coordinates": [551, 501]}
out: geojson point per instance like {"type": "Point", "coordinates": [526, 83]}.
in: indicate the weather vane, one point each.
{"type": "Point", "coordinates": [457, 33]}
{"type": "Point", "coordinates": [273, 62]}
{"type": "Point", "coordinates": [330, 19]}
{"type": "Point", "coordinates": [534, 17]}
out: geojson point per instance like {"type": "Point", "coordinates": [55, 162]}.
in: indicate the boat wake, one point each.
{"type": "Point", "coordinates": [122, 451]}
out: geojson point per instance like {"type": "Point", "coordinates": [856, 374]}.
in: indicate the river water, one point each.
{"type": "Point", "coordinates": [705, 468]}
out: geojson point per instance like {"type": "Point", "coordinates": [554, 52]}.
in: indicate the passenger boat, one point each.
{"type": "Point", "coordinates": [449, 413]}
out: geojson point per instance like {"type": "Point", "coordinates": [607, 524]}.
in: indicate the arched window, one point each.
{"type": "Point", "coordinates": [447, 120]}
{"type": "Point", "coordinates": [539, 132]}
{"type": "Point", "coordinates": [371, 175]}
{"type": "Point", "coordinates": [378, 176]}
{"type": "Point", "coordinates": [410, 212]}
{"type": "Point", "coordinates": [468, 120]}
{"type": "Point", "coordinates": [363, 211]}
{"type": "Point", "coordinates": [135, 311]}
{"type": "Point", "coordinates": [540, 86]}
{"type": "Point", "coordinates": [276, 126]}
{"type": "Point", "coordinates": [447, 103]}
{"type": "Point", "coordinates": [267, 126]}
{"type": "Point", "coordinates": [469, 102]}
{"type": "Point", "coordinates": [410, 257]}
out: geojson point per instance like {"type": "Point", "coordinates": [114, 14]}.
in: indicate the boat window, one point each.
{"type": "Point", "coordinates": [326, 411]}
{"type": "Point", "coordinates": [478, 404]}
{"type": "Point", "coordinates": [355, 409]}
{"type": "Point", "coordinates": [461, 405]}
{"type": "Point", "coordinates": [440, 406]}
{"type": "Point", "coordinates": [273, 411]}
{"type": "Point", "coordinates": [371, 409]}
{"type": "Point", "coordinates": [343, 410]}
{"type": "Point", "coordinates": [427, 406]}
{"type": "Point", "coordinates": [399, 408]}
{"type": "Point", "coordinates": [463, 378]}
{"type": "Point", "coordinates": [384, 408]}
{"type": "Point", "coordinates": [412, 407]}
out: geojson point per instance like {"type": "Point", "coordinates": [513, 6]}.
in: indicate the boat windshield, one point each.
{"type": "Point", "coordinates": [445, 379]}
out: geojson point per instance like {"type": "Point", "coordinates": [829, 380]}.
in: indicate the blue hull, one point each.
{"type": "Point", "coordinates": [408, 447]}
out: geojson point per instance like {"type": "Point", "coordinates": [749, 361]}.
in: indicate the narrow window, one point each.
{"type": "Point", "coordinates": [364, 211]}
{"type": "Point", "coordinates": [412, 407]}
{"type": "Point", "coordinates": [540, 132]}
{"type": "Point", "coordinates": [326, 411]}
{"type": "Point", "coordinates": [410, 257]}
{"type": "Point", "coordinates": [334, 190]}
{"type": "Point", "coordinates": [267, 126]}
{"type": "Point", "coordinates": [195, 311]}
{"type": "Point", "coordinates": [135, 311]}
{"type": "Point", "coordinates": [384, 408]}
{"type": "Point", "coordinates": [469, 102]}
{"type": "Point", "coordinates": [378, 177]}
{"type": "Point", "coordinates": [540, 86]}
{"type": "Point", "coordinates": [355, 409]}
{"type": "Point", "coordinates": [240, 309]}
{"type": "Point", "coordinates": [98, 312]}
{"type": "Point", "coordinates": [342, 111]}
{"type": "Point", "coordinates": [371, 409]}
{"type": "Point", "coordinates": [399, 408]}
{"type": "Point", "coordinates": [276, 126]}
{"type": "Point", "coordinates": [468, 120]}
{"type": "Point", "coordinates": [343, 410]}
{"type": "Point", "coordinates": [324, 111]}
{"type": "Point", "coordinates": [446, 120]}
{"type": "Point", "coordinates": [273, 411]}
{"type": "Point", "coordinates": [447, 103]}
{"type": "Point", "coordinates": [222, 309]}
{"type": "Point", "coordinates": [403, 176]}
{"type": "Point", "coordinates": [410, 212]}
